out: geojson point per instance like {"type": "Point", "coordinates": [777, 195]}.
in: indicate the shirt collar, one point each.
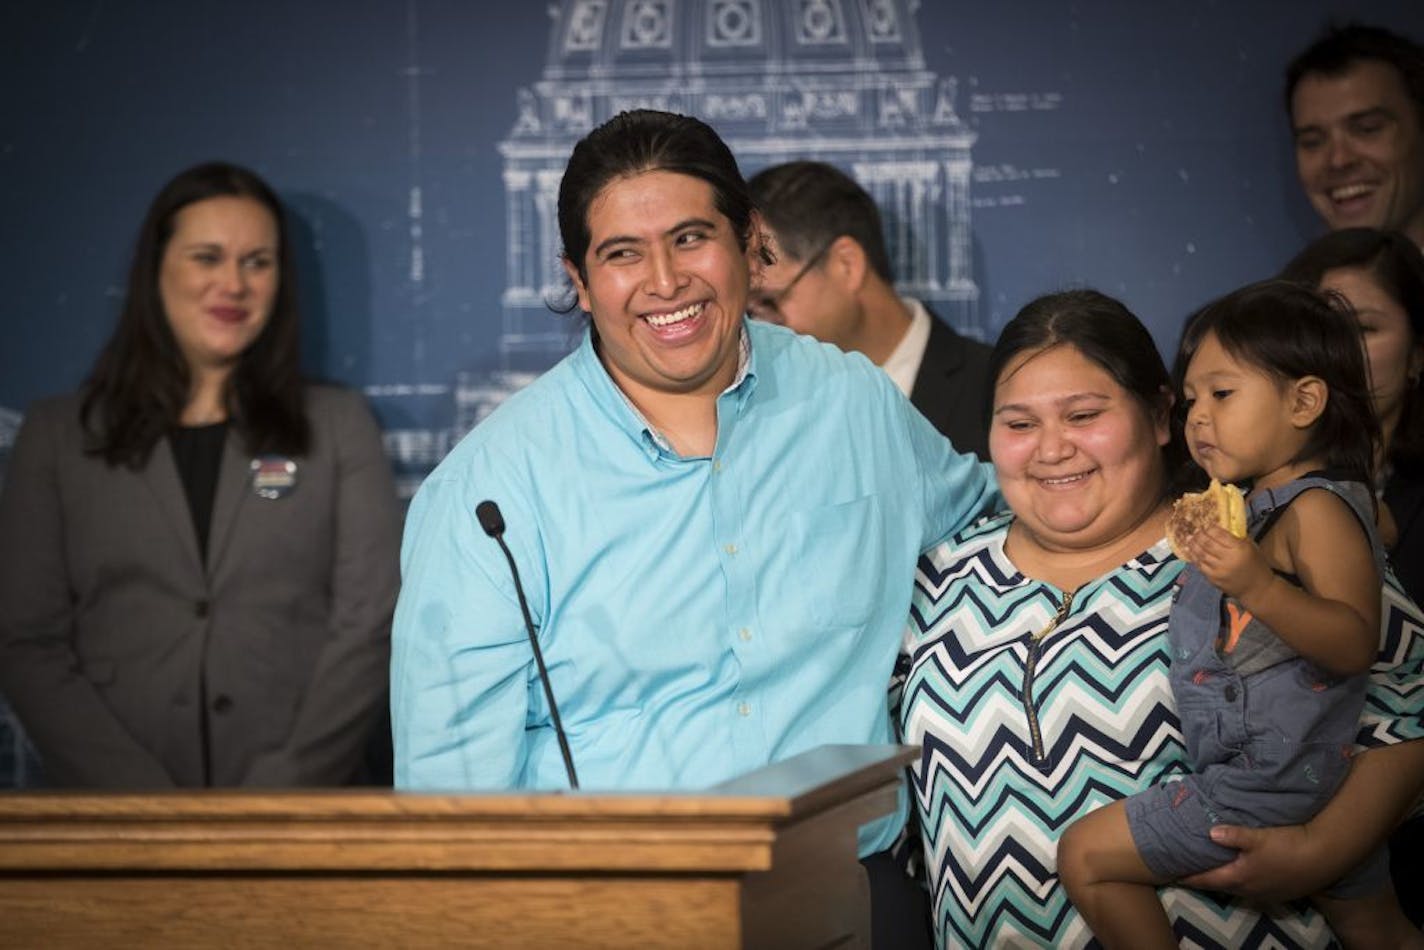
{"type": "Point", "coordinates": [903, 364]}
{"type": "Point", "coordinates": [654, 442]}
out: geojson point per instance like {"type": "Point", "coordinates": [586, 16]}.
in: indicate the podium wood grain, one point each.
{"type": "Point", "coordinates": [767, 860]}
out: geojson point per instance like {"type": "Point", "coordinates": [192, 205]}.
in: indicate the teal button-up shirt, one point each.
{"type": "Point", "coordinates": [700, 617]}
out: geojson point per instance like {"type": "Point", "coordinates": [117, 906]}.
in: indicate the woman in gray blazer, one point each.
{"type": "Point", "coordinates": [199, 548]}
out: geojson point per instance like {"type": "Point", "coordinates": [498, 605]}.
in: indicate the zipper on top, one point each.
{"type": "Point", "coordinates": [1035, 650]}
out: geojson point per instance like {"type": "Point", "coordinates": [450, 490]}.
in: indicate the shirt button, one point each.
{"type": "Point", "coordinates": [716, 465]}
{"type": "Point", "coordinates": [1230, 693]}
{"type": "Point", "coordinates": [200, 609]}
{"type": "Point", "coordinates": [222, 704]}
{"type": "Point", "coordinates": [745, 634]}
{"type": "Point", "coordinates": [731, 549]}
{"type": "Point", "coordinates": [743, 709]}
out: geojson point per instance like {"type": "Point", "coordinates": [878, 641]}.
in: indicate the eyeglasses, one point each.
{"type": "Point", "coordinates": [767, 305]}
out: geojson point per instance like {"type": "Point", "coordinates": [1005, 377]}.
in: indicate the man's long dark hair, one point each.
{"type": "Point", "coordinates": [139, 385]}
{"type": "Point", "coordinates": [645, 140]}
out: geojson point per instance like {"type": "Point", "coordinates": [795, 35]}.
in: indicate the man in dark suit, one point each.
{"type": "Point", "coordinates": [832, 280]}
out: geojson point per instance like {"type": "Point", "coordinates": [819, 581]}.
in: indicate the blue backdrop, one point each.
{"type": "Point", "coordinates": [1138, 148]}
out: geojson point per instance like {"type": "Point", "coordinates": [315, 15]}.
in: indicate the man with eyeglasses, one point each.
{"type": "Point", "coordinates": [832, 280]}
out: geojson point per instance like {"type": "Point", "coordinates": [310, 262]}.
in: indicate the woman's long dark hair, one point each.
{"type": "Point", "coordinates": [1396, 265]}
{"type": "Point", "coordinates": [1289, 331]}
{"type": "Point", "coordinates": [140, 383]}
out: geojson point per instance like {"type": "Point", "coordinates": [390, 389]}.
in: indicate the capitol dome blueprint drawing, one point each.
{"type": "Point", "coordinates": [1140, 149]}
{"type": "Point", "coordinates": [842, 81]}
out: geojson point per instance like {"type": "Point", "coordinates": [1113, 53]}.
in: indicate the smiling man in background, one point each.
{"type": "Point", "coordinates": [1356, 104]}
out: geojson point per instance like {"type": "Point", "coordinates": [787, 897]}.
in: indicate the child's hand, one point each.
{"type": "Point", "coordinates": [1235, 566]}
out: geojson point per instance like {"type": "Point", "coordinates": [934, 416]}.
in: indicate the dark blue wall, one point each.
{"type": "Point", "coordinates": [1161, 171]}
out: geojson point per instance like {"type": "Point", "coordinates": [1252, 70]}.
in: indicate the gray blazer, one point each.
{"type": "Point", "coordinates": [113, 634]}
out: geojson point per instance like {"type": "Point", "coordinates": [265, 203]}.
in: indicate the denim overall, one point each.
{"type": "Point", "coordinates": [1268, 735]}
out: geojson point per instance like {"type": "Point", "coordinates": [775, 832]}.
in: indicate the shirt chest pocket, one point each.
{"type": "Point", "coordinates": [838, 553]}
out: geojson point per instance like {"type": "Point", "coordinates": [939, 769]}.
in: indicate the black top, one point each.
{"type": "Point", "coordinates": [197, 451]}
{"type": "Point", "coordinates": [1404, 493]}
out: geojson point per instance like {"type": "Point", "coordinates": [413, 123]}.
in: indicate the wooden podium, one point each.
{"type": "Point", "coordinates": [767, 860]}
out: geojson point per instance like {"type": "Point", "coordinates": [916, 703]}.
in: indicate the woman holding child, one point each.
{"type": "Point", "coordinates": [1036, 663]}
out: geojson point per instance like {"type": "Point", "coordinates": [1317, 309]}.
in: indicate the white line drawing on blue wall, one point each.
{"type": "Point", "coordinates": [9, 428]}
{"type": "Point", "coordinates": [9, 425]}
{"type": "Point", "coordinates": [842, 81]}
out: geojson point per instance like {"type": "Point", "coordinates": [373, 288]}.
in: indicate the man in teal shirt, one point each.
{"type": "Point", "coordinates": [716, 520]}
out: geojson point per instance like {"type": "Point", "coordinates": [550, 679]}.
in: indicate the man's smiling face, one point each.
{"type": "Point", "coordinates": [667, 286]}
{"type": "Point", "coordinates": [1358, 148]}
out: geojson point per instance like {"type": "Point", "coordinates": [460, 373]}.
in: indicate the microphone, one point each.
{"type": "Point", "coordinates": [493, 524]}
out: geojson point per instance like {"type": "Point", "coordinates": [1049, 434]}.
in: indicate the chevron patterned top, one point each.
{"type": "Point", "coordinates": [999, 777]}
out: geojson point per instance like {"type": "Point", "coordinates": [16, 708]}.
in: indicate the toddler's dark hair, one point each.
{"type": "Point", "coordinates": [1290, 331]}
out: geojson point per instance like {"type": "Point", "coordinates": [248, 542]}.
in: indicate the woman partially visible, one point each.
{"type": "Point", "coordinates": [200, 548]}
{"type": "Point", "coordinates": [1035, 666]}
{"type": "Point", "coordinates": [1381, 274]}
